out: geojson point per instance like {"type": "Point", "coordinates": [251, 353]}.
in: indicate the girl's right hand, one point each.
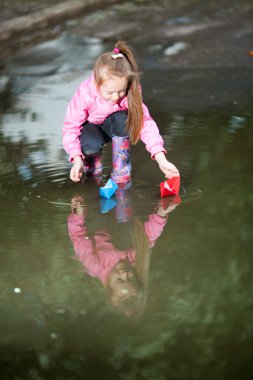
{"type": "Point", "coordinates": [76, 171]}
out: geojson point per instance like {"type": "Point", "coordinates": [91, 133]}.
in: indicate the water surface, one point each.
{"type": "Point", "coordinates": [56, 322]}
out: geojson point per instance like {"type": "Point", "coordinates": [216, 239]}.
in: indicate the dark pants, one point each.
{"type": "Point", "coordinates": [94, 136]}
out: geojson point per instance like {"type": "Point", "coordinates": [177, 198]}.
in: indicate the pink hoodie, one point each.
{"type": "Point", "coordinates": [87, 104]}
{"type": "Point", "coordinates": [98, 255]}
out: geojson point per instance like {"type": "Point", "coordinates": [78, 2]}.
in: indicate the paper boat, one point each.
{"type": "Point", "coordinates": [107, 204]}
{"type": "Point", "coordinates": [109, 189]}
{"type": "Point", "coordinates": [170, 187]}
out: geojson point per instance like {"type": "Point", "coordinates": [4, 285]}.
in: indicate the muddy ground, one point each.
{"type": "Point", "coordinates": [202, 49]}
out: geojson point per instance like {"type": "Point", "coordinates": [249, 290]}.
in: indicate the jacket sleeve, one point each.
{"type": "Point", "coordinates": [76, 114]}
{"type": "Point", "coordinates": [83, 246]}
{"type": "Point", "coordinates": [154, 227]}
{"type": "Point", "coordinates": [150, 134]}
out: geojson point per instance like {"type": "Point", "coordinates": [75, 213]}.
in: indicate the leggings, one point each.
{"type": "Point", "coordinates": [94, 136]}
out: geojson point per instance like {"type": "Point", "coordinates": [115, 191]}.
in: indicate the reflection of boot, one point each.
{"type": "Point", "coordinates": [121, 159]}
{"type": "Point", "coordinates": [93, 165]}
{"type": "Point", "coordinates": [123, 209]}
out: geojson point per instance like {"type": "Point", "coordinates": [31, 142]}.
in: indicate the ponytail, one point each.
{"type": "Point", "coordinates": [134, 97]}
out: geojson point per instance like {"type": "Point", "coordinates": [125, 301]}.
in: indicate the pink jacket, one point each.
{"type": "Point", "coordinates": [87, 104]}
{"type": "Point", "coordinates": [98, 255]}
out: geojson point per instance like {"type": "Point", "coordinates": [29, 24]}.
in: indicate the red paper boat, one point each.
{"type": "Point", "coordinates": [170, 187]}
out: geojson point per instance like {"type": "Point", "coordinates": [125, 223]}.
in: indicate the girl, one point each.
{"type": "Point", "coordinates": [108, 107]}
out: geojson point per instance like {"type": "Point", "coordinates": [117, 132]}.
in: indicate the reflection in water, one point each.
{"type": "Point", "coordinates": [118, 252]}
{"type": "Point", "coordinates": [197, 319]}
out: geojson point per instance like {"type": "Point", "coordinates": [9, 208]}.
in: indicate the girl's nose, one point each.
{"type": "Point", "coordinates": [115, 96]}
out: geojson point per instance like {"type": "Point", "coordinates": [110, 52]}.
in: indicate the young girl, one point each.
{"type": "Point", "coordinates": [108, 107]}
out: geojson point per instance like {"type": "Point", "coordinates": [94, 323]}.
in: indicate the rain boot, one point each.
{"type": "Point", "coordinates": [93, 165]}
{"type": "Point", "coordinates": [121, 172]}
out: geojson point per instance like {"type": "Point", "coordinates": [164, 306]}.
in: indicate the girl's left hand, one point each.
{"type": "Point", "coordinates": [166, 167]}
{"type": "Point", "coordinates": [169, 170]}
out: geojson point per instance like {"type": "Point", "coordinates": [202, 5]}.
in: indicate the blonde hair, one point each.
{"type": "Point", "coordinates": [125, 67]}
{"type": "Point", "coordinates": [134, 305]}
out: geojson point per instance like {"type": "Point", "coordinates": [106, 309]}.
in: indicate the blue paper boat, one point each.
{"type": "Point", "coordinates": [107, 204]}
{"type": "Point", "coordinates": [109, 189]}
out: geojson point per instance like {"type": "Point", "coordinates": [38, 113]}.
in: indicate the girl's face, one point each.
{"type": "Point", "coordinates": [113, 89]}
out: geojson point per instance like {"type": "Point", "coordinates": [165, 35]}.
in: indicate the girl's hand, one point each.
{"type": "Point", "coordinates": [76, 171]}
{"type": "Point", "coordinates": [166, 167]}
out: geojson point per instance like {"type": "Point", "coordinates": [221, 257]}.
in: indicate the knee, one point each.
{"type": "Point", "coordinates": [118, 123]}
{"type": "Point", "coordinates": [92, 146]}
{"type": "Point", "coordinates": [91, 142]}
{"type": "Point", "coordinates": [90, 150]}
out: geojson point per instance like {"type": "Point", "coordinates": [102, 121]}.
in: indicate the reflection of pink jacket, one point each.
{"type": "Point", "coordinates": [98, 255]}
{"type": "Point", "coordinates": [87, 104]}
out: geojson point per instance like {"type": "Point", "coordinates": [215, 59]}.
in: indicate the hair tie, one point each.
{"type": "Point", "coordinates": [118, 53]}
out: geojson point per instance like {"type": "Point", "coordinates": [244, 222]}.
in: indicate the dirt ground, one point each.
{"type": "Point", "coordinates": [218, 32]}
{"type": "Point", "coordinates": [11, 8]}
{"type": "Point", "coordinates": [210, 43]}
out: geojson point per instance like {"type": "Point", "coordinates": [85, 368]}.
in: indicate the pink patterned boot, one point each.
{"type": "Point", "coordinates": [121, 172]}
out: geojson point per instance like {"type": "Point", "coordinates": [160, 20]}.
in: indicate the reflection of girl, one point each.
{"type": "Point", "coordinates": [123, 271]}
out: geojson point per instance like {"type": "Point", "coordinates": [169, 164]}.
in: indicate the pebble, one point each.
{"type": "Point", "coordinates": [175, 48]}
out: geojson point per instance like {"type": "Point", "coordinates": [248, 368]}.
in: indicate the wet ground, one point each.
{"type": "Point", "coordinates": [196, 319]}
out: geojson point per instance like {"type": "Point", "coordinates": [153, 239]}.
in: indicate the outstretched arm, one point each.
{"type": "Point", "coordinates": [151, 137]}
{"type": "Point", "coordinates": [166, 167]}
